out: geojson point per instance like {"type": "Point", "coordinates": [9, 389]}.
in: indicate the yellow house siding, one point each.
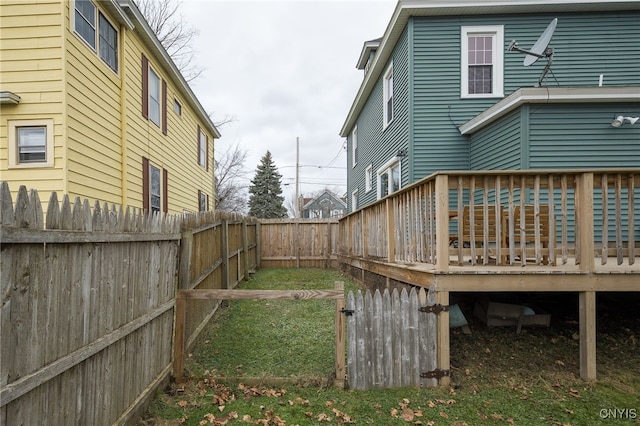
{"type": "Point", "coordinates": [31, 66]}
{"type": "Point", "coordinates": [175, 152]}
{"type": "Point", "coordinates": [93, 120]}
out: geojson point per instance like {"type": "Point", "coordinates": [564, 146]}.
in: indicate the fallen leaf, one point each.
{"type": "Point", "coordinates": [560, 363]}
{"type": "Point", "coordinates": [407, 415]}
{"type": "Point", "coordinates": [444, 415]}
{"type": "Point", "coordinates": [574, 393]}
{"type": "Point", "coordinates": [183, 403]}
{"type": "Point", "coordinates": [495, 416]}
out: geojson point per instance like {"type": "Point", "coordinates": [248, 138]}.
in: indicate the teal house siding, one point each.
{"type": "Point", "coordinates": [595, 43]}
{"type": "Point", "coordinates": [378, 145]}
{"type": "Point", "coordinates": [566, 136]}
{"type": "Point", "coordinates": [503, 137]}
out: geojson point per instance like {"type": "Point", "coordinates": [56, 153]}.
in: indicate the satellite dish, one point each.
{"type": "Point", "coordinates": [539, 50]}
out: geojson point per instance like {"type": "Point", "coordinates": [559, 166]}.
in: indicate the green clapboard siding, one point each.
{"type": "Point", "coordinates": [375, 145]}
{"type": "Point", "coordinates": [581, 136]}
{"type": "Point", "coordinates": [586, 46]}
{"type": "Point", "coordinates": [504, 138]}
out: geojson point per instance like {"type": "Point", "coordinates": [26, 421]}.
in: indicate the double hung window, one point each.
{"type": "Point", "coordinates": [388, 96]}
{"type": "Point", "coordinates": [104, 35]}
{"type": "Point", "coordinates": [482, 61]}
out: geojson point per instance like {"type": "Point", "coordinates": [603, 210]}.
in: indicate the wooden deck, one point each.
{"type": "Point", "coordinates": [534, 231]}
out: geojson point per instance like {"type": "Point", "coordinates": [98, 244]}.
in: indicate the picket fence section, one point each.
{"type": "Point", "coordinates": [390, 343]}
{"type": "Point", "coordinates": [87, 309]}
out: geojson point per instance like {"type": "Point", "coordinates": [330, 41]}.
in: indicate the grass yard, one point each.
{"type": "Point", "coordinates": [498, 377]}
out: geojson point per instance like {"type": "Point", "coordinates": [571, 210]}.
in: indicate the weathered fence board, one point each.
{"type": "Point", "coordinates": [295, 243]}
{"type": "Point", "coordinates": [390, 343]}
{"type": "Point", "coordinates": [87, 309]}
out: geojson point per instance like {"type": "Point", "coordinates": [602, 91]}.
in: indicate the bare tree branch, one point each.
{"type": "Point", "coordinates": [231, 196]}
{"type": "Point", "coordinates": [175, 35]}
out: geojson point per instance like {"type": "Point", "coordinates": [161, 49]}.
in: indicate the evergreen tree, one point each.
{"type": "Point", "coordinates": [265, 199]}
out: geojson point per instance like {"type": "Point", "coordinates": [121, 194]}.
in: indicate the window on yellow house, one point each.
{"type": "Point", "coordinates": [104, 34]}
{"type": "Point", "coordinates": [30, 143]}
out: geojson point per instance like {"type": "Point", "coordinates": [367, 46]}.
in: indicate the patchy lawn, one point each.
{"type": "Point", "coordinates": [498, 377]}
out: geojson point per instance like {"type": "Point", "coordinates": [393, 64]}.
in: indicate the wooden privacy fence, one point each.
{"type": "Point", "coordinates": [298, 243]}
{"type": "Point", "coordinates": [391, 339]}
{"type": "Point", "coordinates": [217, 251]}
{"type": "Point", "coordinates": [87, 310]}
{"type": "Point", "coordinates": [218, 295]}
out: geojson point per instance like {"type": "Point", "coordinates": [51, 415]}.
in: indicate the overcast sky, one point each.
{"type": "Point", "coordinates": [284, 69]}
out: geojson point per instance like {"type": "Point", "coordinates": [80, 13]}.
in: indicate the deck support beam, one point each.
{"type": "Point", "coordinates": [587, 301]}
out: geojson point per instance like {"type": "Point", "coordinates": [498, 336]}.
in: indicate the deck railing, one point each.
{"type": "Point", "coordinates": [503, 218]}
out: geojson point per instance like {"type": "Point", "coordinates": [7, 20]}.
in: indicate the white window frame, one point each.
{"type": "Point", "coordinates": [155, 120]}
{"type": "Point", "coordinates": [95, 23]}
{"type": "Point", "coordinates": [354, 146]}
{"type": "Point", "coordinates": [354, 200]}
{"type": "Point", "coordinates": [386, 169]}
{"type": "Point", "coordinates": [97, 41]}
{"type": "Point", "coordinates": [388, 97]}
{"type": "Point", "coordinates": [496, 32]}
{"type": "Point", "coordinates": [152, 207]}
{"type": "Point", "coordinates": [102, 41]}
{"type": "Point", "coordinates": [202, 147]}
{"type": "Point", "coordinates": [368, 178]}
{"type": "Point", "coordinates": [203, 202]}
{"type": "Point", "coordinates": [13, 126]}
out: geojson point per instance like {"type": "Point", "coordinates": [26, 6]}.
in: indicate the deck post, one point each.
{"type": "Point", "coordinates": [443, 339]}
{"type": "Point", "coordinates": [588, 335]}
{"type": "Point", "coordinates": [442, 223]}
{"type": "Point", "coordinates": [584, 199]}
{"type": "Point", "coordinates": [391, 232]}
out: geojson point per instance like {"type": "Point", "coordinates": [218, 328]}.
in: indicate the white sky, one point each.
{"type": "Point", "coordinates": [284, 69]}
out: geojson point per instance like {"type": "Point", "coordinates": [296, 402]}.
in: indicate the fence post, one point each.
{"type": "Point", "coordinates": [443, 339]}
{"type": "Point", "coordinates": [178, 340]}
{"type": "Point", "coordinates": [224, 250]}
{"type": "Point", "coordinates": [186, 248]}
{"type": "Point", "coordinates": [258, 230]}
{"type": "Point", "coordinates": [245, 249]}
{"type": "Point", "coordinates": [340, 338]}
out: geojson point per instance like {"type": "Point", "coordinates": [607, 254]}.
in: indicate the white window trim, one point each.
{"type": "Point", "coordinates": [202, 148]}
{"type": "Point", "coordinates": [386, 168]}
{"type": "Point", "coordinates": [96, 49]}
{"type": "Point", "coordinates": [152, 70]}
{"type": "Point", "coordinates": [72, 11]}
{"type": "Point", "coordinates": [385, 96]}
{"type": "Point", "coordinates": [354, 200]}
{"type": "Point", "coordinates": [354, 146]}
{"type": "Point", "coordinates": [497, 32]}
{"type": "Point", "coordinates": [14, 163]}
{"type": "Point", "coordinates": [368, 177]}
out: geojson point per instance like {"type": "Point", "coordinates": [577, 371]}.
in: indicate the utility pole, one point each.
{"type": "Point", "coordinates": [297, 202]}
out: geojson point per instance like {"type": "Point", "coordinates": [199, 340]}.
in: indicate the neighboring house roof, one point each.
{"type": "Point", "coordinates": [407, 8]}
{"type": "Point", "coordinates": [309, 201]}
{"type": "Point", "coordinates": [149, 37]}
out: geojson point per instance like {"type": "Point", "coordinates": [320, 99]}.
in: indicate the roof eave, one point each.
{"type": "Point", "coordinates": [532, 95]}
